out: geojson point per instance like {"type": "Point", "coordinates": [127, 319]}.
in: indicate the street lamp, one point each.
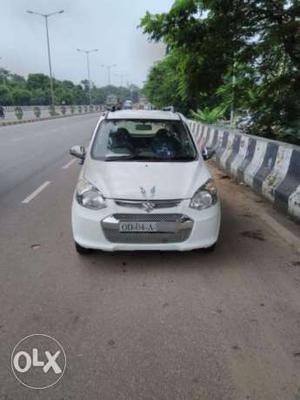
{"type": "Point", "coordinates": [108, 67]}
{"type": "Point", "coordinates": [46, 16]}
{"type": "Point", "coordinates": [233, 83]}
{"type": "Point", "coordinates": [122, 76]}
{"type": "Point", "coordinates": [87, 52]}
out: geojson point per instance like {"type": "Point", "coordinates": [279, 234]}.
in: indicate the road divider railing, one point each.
{"type": "Point", "coordinates": [271, 168]}
{"type": "Point", "coordinates": [25, 114]}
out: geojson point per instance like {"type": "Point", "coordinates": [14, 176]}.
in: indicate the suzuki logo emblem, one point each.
{"type": "Point", "coordinates": [148, 206]}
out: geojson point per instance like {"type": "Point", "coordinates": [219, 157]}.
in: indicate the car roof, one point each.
{"type": "Point", "coordinates": [144, 114]}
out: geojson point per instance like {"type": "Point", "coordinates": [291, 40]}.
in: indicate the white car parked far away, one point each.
{"type": "Point", "coordinates": [143, 186]}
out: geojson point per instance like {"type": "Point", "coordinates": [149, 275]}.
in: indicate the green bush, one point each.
{"type": "Point", "coordinates": [19, 112]}
{"type": "Point", "coordinates": [52, 111]}
{"type": "Point", "coordinates": [37, 111]}
{"type": "Point", "coordinates": [209, 116]}
{"type": "Point", "coordinates": [63, 110]}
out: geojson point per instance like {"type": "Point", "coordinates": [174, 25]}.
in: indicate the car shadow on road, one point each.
{"type": "Point", "coordinates": [129, 261]}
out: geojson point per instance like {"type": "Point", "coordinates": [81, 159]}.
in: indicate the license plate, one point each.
{"type": "Point", "coordinates": [127, 227]}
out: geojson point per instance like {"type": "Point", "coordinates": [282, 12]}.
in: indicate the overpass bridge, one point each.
{"type": "Point", "coordinates": [222, 325]}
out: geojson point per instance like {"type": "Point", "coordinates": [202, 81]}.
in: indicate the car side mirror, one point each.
{"type": "Point", "coordinates": [208, 153]}
{"type": "Point", "coordinates": [78, 152]}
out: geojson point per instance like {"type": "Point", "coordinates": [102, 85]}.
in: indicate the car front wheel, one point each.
{"type": "Point", "coordinates": [81, 250]}
{"type": "Point", "coordinates": [210, 249]}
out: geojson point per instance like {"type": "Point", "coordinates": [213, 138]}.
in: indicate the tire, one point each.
{"type": "Point", "coordinates": [210, 249]}
{"type": "Point", "coordinates": [81, 250]}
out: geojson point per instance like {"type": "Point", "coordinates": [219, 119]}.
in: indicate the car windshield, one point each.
{"type": "Point", "coordinates": [143, 140]}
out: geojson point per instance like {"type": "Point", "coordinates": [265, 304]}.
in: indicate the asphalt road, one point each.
{"type": "Point", "coordinates": [29, 149]}
{"type": "Point", "coordinates": [143, 326]}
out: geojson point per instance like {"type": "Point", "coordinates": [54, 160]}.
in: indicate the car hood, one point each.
{"type": "Point", "coordinates": [134, 180]}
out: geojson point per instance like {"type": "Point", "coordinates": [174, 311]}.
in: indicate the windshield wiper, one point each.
{"type": "Point", "coordinates": [132, 157]}
{"type": "Point", "coordinates": [121, 157]}
{"type": "Point", "coordinates": [183, 158]}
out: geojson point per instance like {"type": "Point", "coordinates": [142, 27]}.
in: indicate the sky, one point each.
{"type": "Point", "coordinates": [108, 25]}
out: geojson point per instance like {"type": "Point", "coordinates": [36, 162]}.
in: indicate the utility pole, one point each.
{"type": "Point", "coordinates": [232, 122]}
{"type": "Point", "coordinates": [121, 76]}
{"type": "Point", "coordinates": [87, 53]}
{"type": "Point", "coordinates": [108, 67]}
{"type": "Point", "coordinates": [46, 16]}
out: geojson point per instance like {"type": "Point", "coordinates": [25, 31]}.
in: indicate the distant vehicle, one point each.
{"type": "Point", "coordinates": [148, 106]}
{"type": "Point", "coordinates": [111, 102]}
{"type": "Point", "coordinates": [127, 105]}
{"type": "Point", "coordinates": [144, 186]}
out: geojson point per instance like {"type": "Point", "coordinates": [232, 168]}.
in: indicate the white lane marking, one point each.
{"type": "Point", "coordinates": [36, 192]}
{"type": "Point", "coordinates": [69, 164]}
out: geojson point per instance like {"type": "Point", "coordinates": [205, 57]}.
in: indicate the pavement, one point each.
{"type": "Point", "coordinates": [143, 326]}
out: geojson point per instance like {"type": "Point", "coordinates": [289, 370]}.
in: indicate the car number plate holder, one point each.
{"type": "Point", "coordinates": [134, 227]}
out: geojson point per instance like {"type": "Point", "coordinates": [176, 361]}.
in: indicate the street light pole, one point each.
{"type": "Point", "coordinates": [109, 67]}
{"type": "Point", "coordinates": [49, 60]}
{"type": "Point", "coordinates": [233, 83]}
{"type": "Point", "coordinates": [46, 16]}
{"type": "Point", "coordinates": [87, 53]}
{"type": "Point", "coordinates": [121, 76]}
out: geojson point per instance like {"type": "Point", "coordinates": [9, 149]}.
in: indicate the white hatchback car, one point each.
{"type": "Point", "coordinates": [144, 185]}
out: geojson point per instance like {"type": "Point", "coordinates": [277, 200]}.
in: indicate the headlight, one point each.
{"type": "Point", "coordinates": [205, 197]}
{"type": "Point", "coordinates": [89, 196]}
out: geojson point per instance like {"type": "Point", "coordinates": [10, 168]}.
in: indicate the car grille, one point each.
{"type": "Point", "coordinates": [156, 204]}
{"type": "Point", "coordinates": [175, 228]}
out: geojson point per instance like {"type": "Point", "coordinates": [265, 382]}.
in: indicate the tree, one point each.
{"type": "Point", "coordinates": [4, 74]}
{"type": "Point", "coordinates": [35, 90]}
{"type": "Point", "coordinates": [38, 81]}
{"type": "Point", "coordinates": [256, 42]}
{"type": "Point", "coordinates": [68, 84]}
{"type": "Point", "coordinates": [86, 84]}
{"type": "Point", "coordinates": [162, 87]}
{"type": "Point", "coordinates": [40, 97]}
{"type": "Point", "coordinates": [80, 97]}
{"type": "Point", "coordinates": [134, 93]}
{"type": "Point", "coordinates": [64, 96]}
{"type": "Point", "coordinates": [5, 96]}
{"type": "Point", "coordinates": [21, 97]}
{"type": "Point", "coordinates": [17, 79]}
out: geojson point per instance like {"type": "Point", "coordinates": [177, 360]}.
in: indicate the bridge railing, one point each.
{"type": "Point", "coordinates": [271, 168]}
{"type": "Point", "coordinates": [17, 114]}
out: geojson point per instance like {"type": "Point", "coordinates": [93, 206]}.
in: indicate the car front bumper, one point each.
{"type": "Point", "coordinates": [99, 229]}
